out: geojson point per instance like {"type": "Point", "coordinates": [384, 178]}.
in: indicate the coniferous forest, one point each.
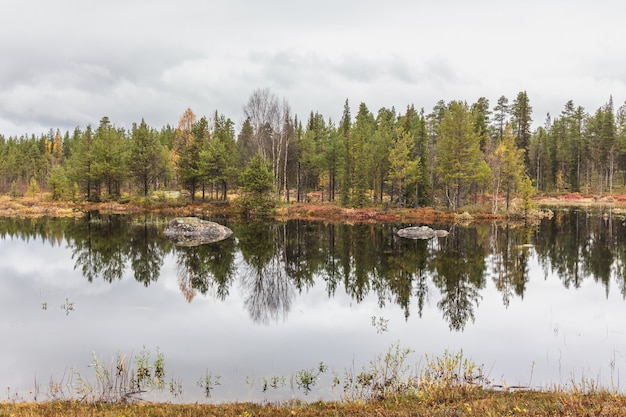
{"type": "Point", "coordinates": [449, 156]}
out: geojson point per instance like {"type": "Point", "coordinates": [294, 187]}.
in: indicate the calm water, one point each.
{"type": "Point", "coordinates": [536, 305]}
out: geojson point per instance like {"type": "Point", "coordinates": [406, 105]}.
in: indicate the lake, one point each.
{"type": "Point", "coordinates": [538, 305]}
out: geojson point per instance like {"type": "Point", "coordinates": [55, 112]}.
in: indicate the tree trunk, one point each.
{"type": "Point", "coordinates": [508, 196]}
{"type": "Point", "coordinates": [298, 197]}
{"type": "Point", "coordinates": [285, 188]}
{"type": "Point", "coordinates": [496, 192]}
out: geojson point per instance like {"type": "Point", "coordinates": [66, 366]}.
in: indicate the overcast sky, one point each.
{"type": "Point", "coordinates": [68, 63]}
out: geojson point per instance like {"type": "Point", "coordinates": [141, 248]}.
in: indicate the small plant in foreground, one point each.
{"type": "Point", "coordinates": [146, 375]}
{"type": "Point", "coordinates": [56, 389]}
{"type": "Point", "coordinates": [274, 382]}
{"type": "Point", "coordinates": [119, 380]}
{"type": "Point", "coordinates": [388, 374]}
{"type": "Point", "coordinates": [449, 374]}
{"type": "Point", "coordinates": [307, 378]}
{"type": "Point", "coordinates": [208, 382]}
{"type": "Point", "coordinates": [176, 388]}
{"type": "Point", "coordinates": [586, 385]}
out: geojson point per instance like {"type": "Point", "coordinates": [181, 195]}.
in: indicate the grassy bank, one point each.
{"type": "Point", "coordinates": [41, 205]}
{"type": "Point", "coordinates": [447, 385]}
{"type": "Point", "coordinates": [451, 403]}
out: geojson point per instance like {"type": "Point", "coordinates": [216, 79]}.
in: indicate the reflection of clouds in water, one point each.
{"type": "Point", "coordinates": [42, 261]}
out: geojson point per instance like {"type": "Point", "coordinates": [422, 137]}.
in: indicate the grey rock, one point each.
{"type": "Point", "coordinates": [191, 231]}
{"type": "Point", "coordinates": [421, 232]}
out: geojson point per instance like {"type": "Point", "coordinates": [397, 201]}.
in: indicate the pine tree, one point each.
{"type": "Point", "coordinates": [81, 163]}
{"type": "Point", "coordinates": [257, 183]}
{"type": "Point", "coordinates": [458, 152]}
{"type": "Point", "coordinates": [188, 140]}
{"type": "Point", "coordinates": [361, 134]}
{"type": "Point", "coordinates": [521, 112]}
{"type": "Point", "coordinates": [332, 157]}
{"type": "Point", "coordinates": [481, 113]}
{"type": "Point", "coordinates": [218, 156]}
{"type": "Point", "coordinates": [501, 111]}
{"type": "Point", "coordinates": [507, 167]}
{"type": "Point", "coordinates": [415, 123]}
{"type": "Point", "coordinates": [58, 184]}
{"type": "Point", "coordinates": [403, 168]}
{"type": "Point", "coordinates": [378, 149]}
{"type": "Point", "coordinates": [245, 143]}
{"type": "Point", "coordinates": [345, 127]}
{"type": "Point", "coordinates": [109, 158]}
{"type": "Point", "coordinates": [148, 156]}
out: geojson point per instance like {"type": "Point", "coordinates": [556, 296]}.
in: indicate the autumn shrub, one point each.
{"type": "Point", "coordinates": [33, 188]}
{"type": "Point", "coordinates": [15, 193]}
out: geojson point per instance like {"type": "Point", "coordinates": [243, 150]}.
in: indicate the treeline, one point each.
{"type": "Point", "coordinates": [454, 155]}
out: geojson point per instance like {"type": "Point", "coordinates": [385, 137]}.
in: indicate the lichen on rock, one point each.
{"type": "Point", "coordinates": [421, 232]}
{"type": "Point", "coordinates": [192, 231]}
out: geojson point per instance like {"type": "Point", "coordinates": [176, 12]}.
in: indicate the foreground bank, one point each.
{"type": "Point", "coordinates": [453, 402]}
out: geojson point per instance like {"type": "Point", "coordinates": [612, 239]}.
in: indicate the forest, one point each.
{"type": "Point", "coordinates": [452, 156]}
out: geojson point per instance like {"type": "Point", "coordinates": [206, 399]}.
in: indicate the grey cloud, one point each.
{"type": "Point", "coordinates": [402, 70]}
{"type": "Point", "coordinates": [68, 63]}
{"type": "Point", "coordinates": [282, 68]}
{"type": "Point", "coordinates": [440, 70]}
{"type": "Point", "coordinates": [358, 68]}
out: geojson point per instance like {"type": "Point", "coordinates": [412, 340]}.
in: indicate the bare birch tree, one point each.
{"type": "Point", "coordinates": [273, 131]}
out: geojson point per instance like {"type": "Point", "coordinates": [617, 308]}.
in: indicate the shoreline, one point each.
{"type": "Point", "coordinates": [41, 206]}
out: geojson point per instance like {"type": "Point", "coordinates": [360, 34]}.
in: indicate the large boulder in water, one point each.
{"type": "Point", "coordinates": [192, 231]}
{"type": "Point", "coordinates": [421, 232]}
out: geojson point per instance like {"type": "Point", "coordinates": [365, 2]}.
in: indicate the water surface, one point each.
{"type": "Point", "coordinates": [537, 305]}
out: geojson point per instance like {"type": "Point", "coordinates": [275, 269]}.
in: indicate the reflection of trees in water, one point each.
{"type": "Point", "coordinates": [280, 260]}
{"type": "Point", "coordinates": [459, 273]}
{"type": "Point", "coordinates": [268, 287]}
{"type": "Point", "coordinates": [269, 292]}
{"type": "Point", "coordinates": [105, 246]}
{"type": "Point", "coordinates": [584, 244]}
{"type": "Point", "coordinates": [356, 260]}
{"type": "Point", "coordinates": [401, 273]}
{"type": "Point", "coordinates": [510, 252]}
{"type": "Point", "coordinates": [146, 254]}
{"type": "Point", "coordinates": [50, 231]}
{"type": "Point", "coordinates": [206, 267]}
{"type": "Point", "coordinates": [192, 272]}
{"type": "Point", "coordinates": [100, 247]}
{"type": "Point", "coordinates": [302, 252]}
{"type": "Point", "coordinates": [561, 244]}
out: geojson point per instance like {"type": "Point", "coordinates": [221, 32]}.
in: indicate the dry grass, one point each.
{"type": "Point", "coordinates": [43, 206]}
{"type": "Point", "coordinates": [466, 403]}
{"type": "Point", "coordinates": [335, 213]}
{"type": "Point", "coordinates": [37, 207]}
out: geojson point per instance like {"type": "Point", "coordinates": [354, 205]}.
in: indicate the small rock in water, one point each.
{"type": "Point", "coordinates": [191, 231]}
{"type": "Point", "coordinates": [421, 232]}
